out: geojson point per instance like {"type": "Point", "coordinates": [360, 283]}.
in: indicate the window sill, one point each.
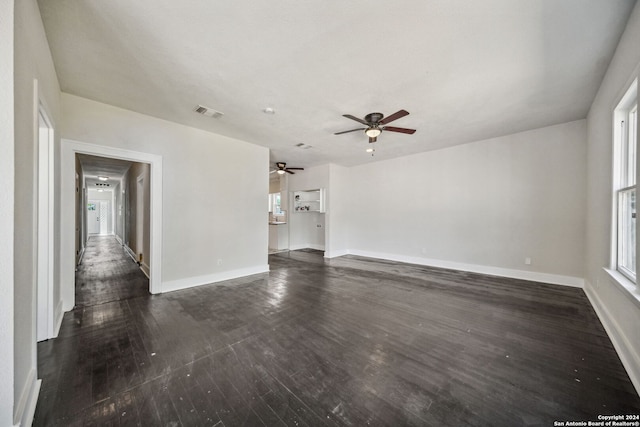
{"type": "Point", "coordinates": [625, 285]}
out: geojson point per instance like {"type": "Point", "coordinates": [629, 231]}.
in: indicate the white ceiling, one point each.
{"type": "Point", "coordinates": [95, 166]}
{"type": "Point", "coordinates": [465, 70]}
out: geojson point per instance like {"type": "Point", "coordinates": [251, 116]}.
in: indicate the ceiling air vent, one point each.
{"type": "Point", "coordinates": [209, 112]}
{"type": "Point", "coordinates": [303, 146]}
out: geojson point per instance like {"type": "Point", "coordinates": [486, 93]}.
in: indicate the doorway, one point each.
{"type": "Point", "coordinates": [68, 158]}
{"type": "Point", "coordinates": [117, 217]}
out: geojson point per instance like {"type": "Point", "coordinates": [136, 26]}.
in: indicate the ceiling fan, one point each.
{"type": "Point", "coordinates": [376, 122]}
{"type": "Point", "coordinates": [281, 168]}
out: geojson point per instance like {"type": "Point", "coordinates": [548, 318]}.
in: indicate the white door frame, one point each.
{"type": "Point", "coordinates": [45, 194]}
{"type": "Point", "coordinates": [67, 216]}
{"type": "Point", "coordinates": [140, 217]}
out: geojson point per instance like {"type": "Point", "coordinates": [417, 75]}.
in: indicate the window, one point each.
{"type": "Point", "coordinates": [626, 138]}
{"type": "Point", "coordinates": [275, 204]}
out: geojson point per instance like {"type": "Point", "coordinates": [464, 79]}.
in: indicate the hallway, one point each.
{"type": "Point", "coordinates": [108, 274]}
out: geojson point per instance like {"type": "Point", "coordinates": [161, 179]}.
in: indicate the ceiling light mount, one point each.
{"type": "Point", "coordinates": [103, 178]}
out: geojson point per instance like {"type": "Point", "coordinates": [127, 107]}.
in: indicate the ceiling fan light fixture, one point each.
{"type": "Point", "coordinates": [376, 122]}
{"type": "Point", "coordinates": [373, 132]}
{"type": "Point", "coordinates": [280, 171]}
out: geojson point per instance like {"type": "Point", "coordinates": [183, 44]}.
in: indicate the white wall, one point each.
{"type": "Point", "coordinates": [303, 226]}
{"type": "Point", "coordinates": [618, 309]}
{"type": "Point", "coordinates": [215, 191]}
{"type": "Point", "coordinates": [274, 184]}
{"type": "Point", "coordinates": [122, 209]}
{"type": "Point", "coordinates": [94, 194]}
{"type": "Point", "coordinates": [32, 61]}
{"type": "Point", "coordinates": [307, 230]}
{"type": "Point", "coordinates": [143, 248]}
{"type": "Point", "coordinates": [6, 212]}
{"type": "Point", "coordinates": [118, 212]}
{"type": "Point", "coordinates": [337, 220]}
{"type": "Point", "coordinates": [483, 206]}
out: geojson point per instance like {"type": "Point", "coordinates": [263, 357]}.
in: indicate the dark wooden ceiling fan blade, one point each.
{"type": "Point", "coordinates": [347, 131]}
{"type": "Point", "coordinates": [374, 139]}
{"type": "Point", "coordinates": [295, 169]}
{"type": "Point", "coordinates": [288, 171]}
{"type": "Point", "coordinates": [394, 116]}
{"type": "Point", "coordinates": [401, 130]}
{"type": "Point", "coordinates": [357, 119]}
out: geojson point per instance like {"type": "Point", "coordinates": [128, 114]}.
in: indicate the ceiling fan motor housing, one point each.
{"type": "Point", "coordinates": [373, 118]}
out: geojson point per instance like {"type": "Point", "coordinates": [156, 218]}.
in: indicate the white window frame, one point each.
{"type": "Point", "coordinates": [624, 178]}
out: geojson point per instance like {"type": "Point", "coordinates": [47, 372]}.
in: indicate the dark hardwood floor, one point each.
{"type": "Point", "coordinates": [350, 341]}
{"type": "Point", "coordinates": [107, 274]}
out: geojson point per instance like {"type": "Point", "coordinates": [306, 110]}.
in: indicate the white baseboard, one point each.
{"type": "Point", "coordinates": [58, 314]}
{"type": "Point", "coordinates": [307, 246]}
{"type": "Point", "coordinates": [190, 282]}
{"type": "Point", "coordinates": [119, 240]}
{"type": "Point", "coordinates": [130, 252]}
{"type": "Point", "coordinates": [628, 355]}
{"type": "Point", "coordinates": [335, 254]}
{"type": "Point", "coordinates": [81, 255]}
{"type": "Point", "coordinates": [296, 247]}
{"type": "Point", "coordinates": [26, 407]}
{"type": "Point", "coordinates": [534, 276]}
{"type": "Point", "coordinates": [145, 269]}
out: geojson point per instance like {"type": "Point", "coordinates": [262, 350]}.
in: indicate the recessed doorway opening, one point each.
{"type": "Point", "coordinates": [122, 206]}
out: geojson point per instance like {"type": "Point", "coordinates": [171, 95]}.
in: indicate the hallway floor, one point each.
{"type": "Point", "coordinates": [347, 341]}
{"type": "Point", "coordinates": [107, 274]}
